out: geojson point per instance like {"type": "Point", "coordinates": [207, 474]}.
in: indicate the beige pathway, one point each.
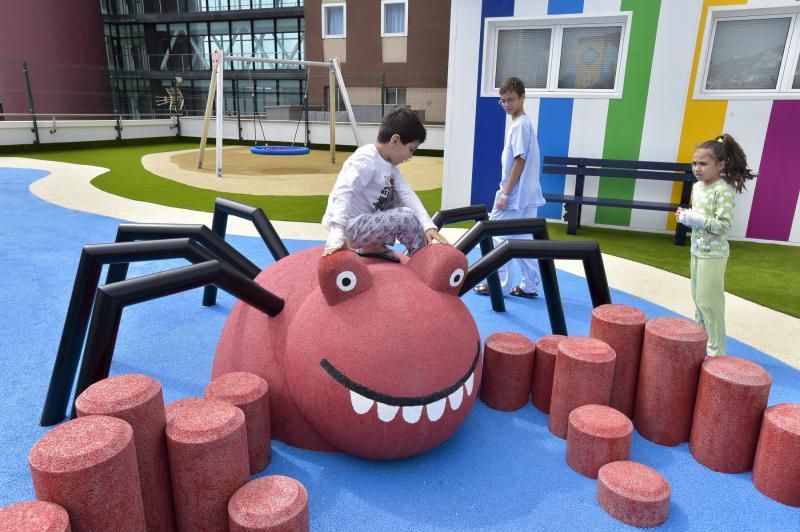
{"type": "Point", "coordinates": [68, 185]}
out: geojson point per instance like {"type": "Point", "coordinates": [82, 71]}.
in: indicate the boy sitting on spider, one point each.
{"type": "Point", "coordinates": [371, 204]}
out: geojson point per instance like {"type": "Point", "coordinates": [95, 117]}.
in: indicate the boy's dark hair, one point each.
{"type": "Point", "coordinates": [513, 84]}
{"type": "Point", "coordinates": [404, 122]}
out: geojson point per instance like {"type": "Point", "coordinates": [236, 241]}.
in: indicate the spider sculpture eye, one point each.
{"type": "Point", "coordinates": [456, 277]}
{"type": "Point", "coordinates": [346, 281]}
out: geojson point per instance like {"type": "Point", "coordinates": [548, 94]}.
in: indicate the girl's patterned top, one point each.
{"type": "Point", "coordinates": [716, 203]}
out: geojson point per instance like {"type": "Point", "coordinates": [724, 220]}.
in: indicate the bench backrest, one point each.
{"type": "Point", "coordinates": [582, 166]}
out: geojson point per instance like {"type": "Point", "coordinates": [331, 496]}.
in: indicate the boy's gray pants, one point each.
{"type": "Point", "coordinates": [386, 227]}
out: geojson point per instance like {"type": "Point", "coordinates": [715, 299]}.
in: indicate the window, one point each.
{"type": "Point", "coordinates": [558, 56]}
{"type": "Point", "coordinates": [394, 15]}
{"type": "Point", "coordinates": [524, 53]}
{"type": "Point", "coordinates": [287, 40]}
{"type": "Point", "coordinates": [334, 23]}
{"type": "Point", "coordinates": [796, 83]}
{"type": "Point", "coordinates": [750, 53]}
{"type": "Point", "coordinates": [394, 96]}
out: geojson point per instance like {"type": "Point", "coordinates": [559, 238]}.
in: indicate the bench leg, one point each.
{"type": "Point", "coordinates": [680, 234]}
{"type": "Point", "coordinates": [573, 214]}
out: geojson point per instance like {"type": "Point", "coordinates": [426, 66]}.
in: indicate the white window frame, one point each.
{"type": "Point", "coordinates": [404, 33]}
{"type": "Point", "coordinates": [557, 24]}
{"type": "Point", "coordinates": [325, 6]}
{"type": "Point", "coordinates": [791, 54]}
{"type": "Point", "coordinates": [396, 90]}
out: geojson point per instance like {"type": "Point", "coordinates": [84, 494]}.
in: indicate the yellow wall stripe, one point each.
{"type": "Point", "coordinates": [702, 119]}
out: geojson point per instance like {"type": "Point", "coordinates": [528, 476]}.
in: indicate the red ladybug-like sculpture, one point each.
{"type": "Point", "coordinates": [368, 357]}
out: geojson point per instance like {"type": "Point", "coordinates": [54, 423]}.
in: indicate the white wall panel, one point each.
{"type": "Point", "coordinates": [587, 136]}
{"type": "Point", "coordinates": [669, 79]}
{"type": "Point", "coordinates": [747, 121]}
{"type": "Point", "coordinates": [462, 87]}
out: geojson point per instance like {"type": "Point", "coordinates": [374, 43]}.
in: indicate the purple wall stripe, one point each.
{"type": "Point", "coordinates": [778, 183]}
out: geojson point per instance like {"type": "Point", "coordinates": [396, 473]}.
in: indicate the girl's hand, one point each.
{"type": "Point", "coordinates": [432, 234]}
{"type": "Point", "coordinates": [500, 204]}
{"type": "Point", "coordinates": [692, 218]}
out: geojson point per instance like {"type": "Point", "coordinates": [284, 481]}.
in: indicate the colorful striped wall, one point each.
{"type": "Point", "coordinates": [656, 119]}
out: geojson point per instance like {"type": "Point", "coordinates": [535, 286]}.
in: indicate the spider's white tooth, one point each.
{"type": "Point", "coordinates": [468, 384]}
{"type": "Point", "coordinates": [436, 409]}
{"type": "Point", "coordinates": [387, 412]}
{"type": "Point", "coordinates": [360, 403]}
{"type": "Point", "coordinates": [456, 397]}
{"type": "Point", "coordinates": [411, 414]}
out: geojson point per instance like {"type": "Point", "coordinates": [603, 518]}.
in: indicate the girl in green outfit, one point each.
{"type": "Point", "coordinates": [720, 167]}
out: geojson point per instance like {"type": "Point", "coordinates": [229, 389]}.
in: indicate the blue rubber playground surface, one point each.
{"type": "Point", "coordinates": [500, 471]}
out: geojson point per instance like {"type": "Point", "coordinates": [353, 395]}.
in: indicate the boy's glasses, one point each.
{"type": "Point", "coordinates": [508, 101]}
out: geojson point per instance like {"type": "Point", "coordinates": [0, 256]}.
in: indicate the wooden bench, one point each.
{"type": "Point", "coordinates": [581, 167]}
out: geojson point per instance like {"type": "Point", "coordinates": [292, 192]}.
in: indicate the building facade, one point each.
{"type": "Point", "coordinates": [160, 49]}
{"type": "Point", "coordinates": [61, 45]}
{"type": "Point", "coordinates": [631, 79]}
{"type": "Point", "coordinates": [393, 52]}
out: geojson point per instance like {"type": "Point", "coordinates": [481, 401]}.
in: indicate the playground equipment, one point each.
{"type": "Point", "coordinates": [217, 74]}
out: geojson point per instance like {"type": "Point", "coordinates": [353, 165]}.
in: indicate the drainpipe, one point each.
{"type": "Point", "coordinates": [35, 129]}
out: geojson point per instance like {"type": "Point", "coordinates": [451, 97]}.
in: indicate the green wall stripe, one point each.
{"type": "Point", "coordinates": [626, 116]}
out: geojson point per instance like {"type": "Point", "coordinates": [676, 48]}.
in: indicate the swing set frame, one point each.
{"type": "Point", "coordinates": [217, 76]}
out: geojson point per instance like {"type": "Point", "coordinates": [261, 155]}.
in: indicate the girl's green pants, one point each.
{"type": "Point", "coordinates": [708, 292]}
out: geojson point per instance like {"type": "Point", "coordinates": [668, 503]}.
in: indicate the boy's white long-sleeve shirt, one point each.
{"type": "Point", "coordinates": [357, 189]}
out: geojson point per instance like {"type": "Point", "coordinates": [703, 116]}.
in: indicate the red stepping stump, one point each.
{"type": "Point", "coordinates": [507, 371]}
{"type": "Point", "coordinates": [544, 365]}
{"type": "Point", "coordinates": [731, 398]}
{"type": "Point", "coordinates": [271, 503]}
{"type": "Point", "coordinates": [776, 470]}
{"type": "Point", "coordinates": [621, 327]}
{"type": "Point", "coordinates": [88, 466]}
{"type": "Point", "coordinates": [250, 393]}
{"type": "Point", "coordinates": [207, 444]}
{"type": "Point", "coordinates": [34, 516]}
{"type": "Point", "coordinates": [672, 353]}
{"type": "Point", "coordinates": [138, 400]}
{"type": "Point", "coordinates": [597, 435]}
{"type": "Point", "coordinates": [633, 493]}
{"type": "Point", "coordinates": [583, 375]}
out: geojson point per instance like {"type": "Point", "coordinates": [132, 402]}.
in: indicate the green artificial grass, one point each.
{"type": "Point", "coordinates": [763, 273]}
{"type": "Point", "coordinates": [126, 177]}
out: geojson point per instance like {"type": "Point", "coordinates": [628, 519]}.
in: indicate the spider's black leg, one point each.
{"type": "Point", "coordinates": [479, 214]}
{"type": "Point", "coordinates": [112, 299]}
{"type": "Point", "coordinates": [537, 227]}
{"type": "Point", "coordinates": [588, 252]}
{"type": "Point", "coordinates": [200, 233]}
{"type": "Point", "coordinates": [224, 207]}
{"type": "Point", "coordinates": [87, 277]}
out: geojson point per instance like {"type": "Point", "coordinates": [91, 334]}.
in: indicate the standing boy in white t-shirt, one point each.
{"type": "Point", "coordinates": [520, 193]}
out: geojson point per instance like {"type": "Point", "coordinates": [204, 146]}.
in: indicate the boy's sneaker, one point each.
{"type": "Point", "coordinates": [481, 289]}
{"type": "Point", "coordinates": [519, 292]}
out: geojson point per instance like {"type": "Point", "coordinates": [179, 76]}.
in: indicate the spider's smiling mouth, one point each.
{"type": "Point", "coordinates": [362, 398]}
